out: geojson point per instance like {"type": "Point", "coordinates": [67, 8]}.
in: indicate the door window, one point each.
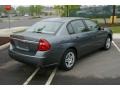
{"type": "Point", "coordinates": [78, 26]}
{"type": "Point", "coordinates": [91, 25]}
{"type": "Point", "coordinates": [70, 29]}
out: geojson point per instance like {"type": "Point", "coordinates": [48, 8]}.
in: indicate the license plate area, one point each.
{"type": "Point", "coordinates": [22, 45]}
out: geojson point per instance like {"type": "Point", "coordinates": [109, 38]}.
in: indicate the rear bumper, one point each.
{"type": "Point", "coordinates": [32, 60]}
{"type": "Point", "coordinates": [39, 58]}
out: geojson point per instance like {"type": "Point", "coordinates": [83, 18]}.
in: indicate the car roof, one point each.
{"type": "Point", "coordinates": [63, 19]}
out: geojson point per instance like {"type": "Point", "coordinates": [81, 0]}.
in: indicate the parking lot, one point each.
{"type": "Point", "coordinates": [99, 67]}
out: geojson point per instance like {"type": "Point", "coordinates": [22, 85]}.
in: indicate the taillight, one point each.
{"type": "Point", "coordinates": [44, 45]}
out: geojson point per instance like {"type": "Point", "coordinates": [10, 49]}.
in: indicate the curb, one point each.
{"type": "Point", "coordinates": [116, 36]}
{"type": "Point", "coordinates": [8, 32]}
{"type": "Point", "coordinates": [4, 46]}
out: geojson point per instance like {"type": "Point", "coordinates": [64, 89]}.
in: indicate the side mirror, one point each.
{"type": "Point", "coordinates": [95, 21]}
{"type": "Point", "coordinates": [100, 28]}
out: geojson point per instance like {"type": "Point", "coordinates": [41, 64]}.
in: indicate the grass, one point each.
{"type": "Point", "coordinates": [115, 29]}
{"type": "Point", "coordinates": [101, 20]}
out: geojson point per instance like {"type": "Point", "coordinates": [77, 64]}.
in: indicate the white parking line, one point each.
{"type": "Point", "coordinates": [4, 46]}
{"type": "Point", "coordinates": [116, 46]}
{"type": "Point", "coordinates": [51, 77]}
{"type": "Point", "coordinates": [32, 75]}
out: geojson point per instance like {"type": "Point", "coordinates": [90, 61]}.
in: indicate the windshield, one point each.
{"type": "Point", "coordinates": [45, 27]}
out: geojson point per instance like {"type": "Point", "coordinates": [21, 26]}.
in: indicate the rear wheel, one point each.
{"type": "Point", "coordinates": [68, 60]}
{"type": "Point", "coordinates": [107, 43]}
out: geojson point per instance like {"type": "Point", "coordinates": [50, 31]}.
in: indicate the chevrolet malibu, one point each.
{"type": "Point", "coordinates": [58, 41]}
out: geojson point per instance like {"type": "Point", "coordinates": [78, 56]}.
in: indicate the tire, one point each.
{"type": "Point", "coordinates": [68, 60]}
{"type": "Point", "coordinates": [107, 44]}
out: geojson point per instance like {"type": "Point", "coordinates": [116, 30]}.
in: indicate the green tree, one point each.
{"type": "Point", "coordinates": [35, 10]}
{"type": "Point", "coordinates": [21, 10]}
{"type": "Point", "coordinates": [67, 10]}
{"type": "Point", "coordinates": [32, 10]}
{"type": "Point", "coordinates": [59, 10]}
{"type": "Point", "coordinates": [2, 10]}
{"type": "Point", "coordinates": [38, 10]}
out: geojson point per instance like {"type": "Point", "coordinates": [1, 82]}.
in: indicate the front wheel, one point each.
{"type": "Point", "coordinates": [107, 43]}
{"type": "Point", "coordinates": [68, 60]}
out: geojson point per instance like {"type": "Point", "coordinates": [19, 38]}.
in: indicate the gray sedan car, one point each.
{"type": "Point", "coordinates": [59, 41]}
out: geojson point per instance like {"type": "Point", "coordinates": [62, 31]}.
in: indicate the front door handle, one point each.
{"type": "Point", "coordinates": [93, 37]}
{"type": "Point", "coordinates": [77, 37]}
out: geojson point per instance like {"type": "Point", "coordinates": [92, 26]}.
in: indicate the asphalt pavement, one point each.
{"type": "Point", "coordinates": [18, 23]}
{"type": "Point", "coordinates": [98, 68]}
{"type": "Point", "coordinates": [16, 73]}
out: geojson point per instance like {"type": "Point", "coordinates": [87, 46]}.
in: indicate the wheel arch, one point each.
{"type": "Point", "coordinates": [74, 50]}
{"type": "Point", "coordinates": [110, 35]}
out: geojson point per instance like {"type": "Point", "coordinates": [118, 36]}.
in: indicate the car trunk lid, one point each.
{"type": "Point", "coordinates": [28, 41]}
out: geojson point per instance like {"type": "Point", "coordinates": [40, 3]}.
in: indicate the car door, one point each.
{"type": "Point", "coordinates": [97, 35]}
{"type": "Point", "coordinates": [80, 38]}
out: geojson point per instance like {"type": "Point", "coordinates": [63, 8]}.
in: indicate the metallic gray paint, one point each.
{"type": "Point", "coordinates": [61, 41]}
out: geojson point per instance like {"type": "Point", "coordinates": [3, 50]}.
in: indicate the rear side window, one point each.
{"type": "Point", "coordinates": [70, 28]}
{"type": "Point", "coordinates": [45, 27]}
{"type": "Point", "coordinates": [91, 25]}
{"type": "Point", "coordinates": [78, 26]}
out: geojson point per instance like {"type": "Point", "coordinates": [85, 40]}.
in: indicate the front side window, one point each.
{"type": "Point", "coordinates": [78, 26]}
{"type": "Point", "coordinates": [91, 25]}
{"type": "Point", "coordinates": [45, 27]}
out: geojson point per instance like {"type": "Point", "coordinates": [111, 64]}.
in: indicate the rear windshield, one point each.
{"type": "Point", "coordinates": [45, 27]}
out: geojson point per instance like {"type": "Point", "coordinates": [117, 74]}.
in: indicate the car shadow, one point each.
{"type": "Point", "coordinates": [84, 57]}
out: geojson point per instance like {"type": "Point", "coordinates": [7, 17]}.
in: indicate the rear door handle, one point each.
{"type": "Point", "coordinates": [77, 37]}
{"type": "Point", "coordinates": [93, 36]}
